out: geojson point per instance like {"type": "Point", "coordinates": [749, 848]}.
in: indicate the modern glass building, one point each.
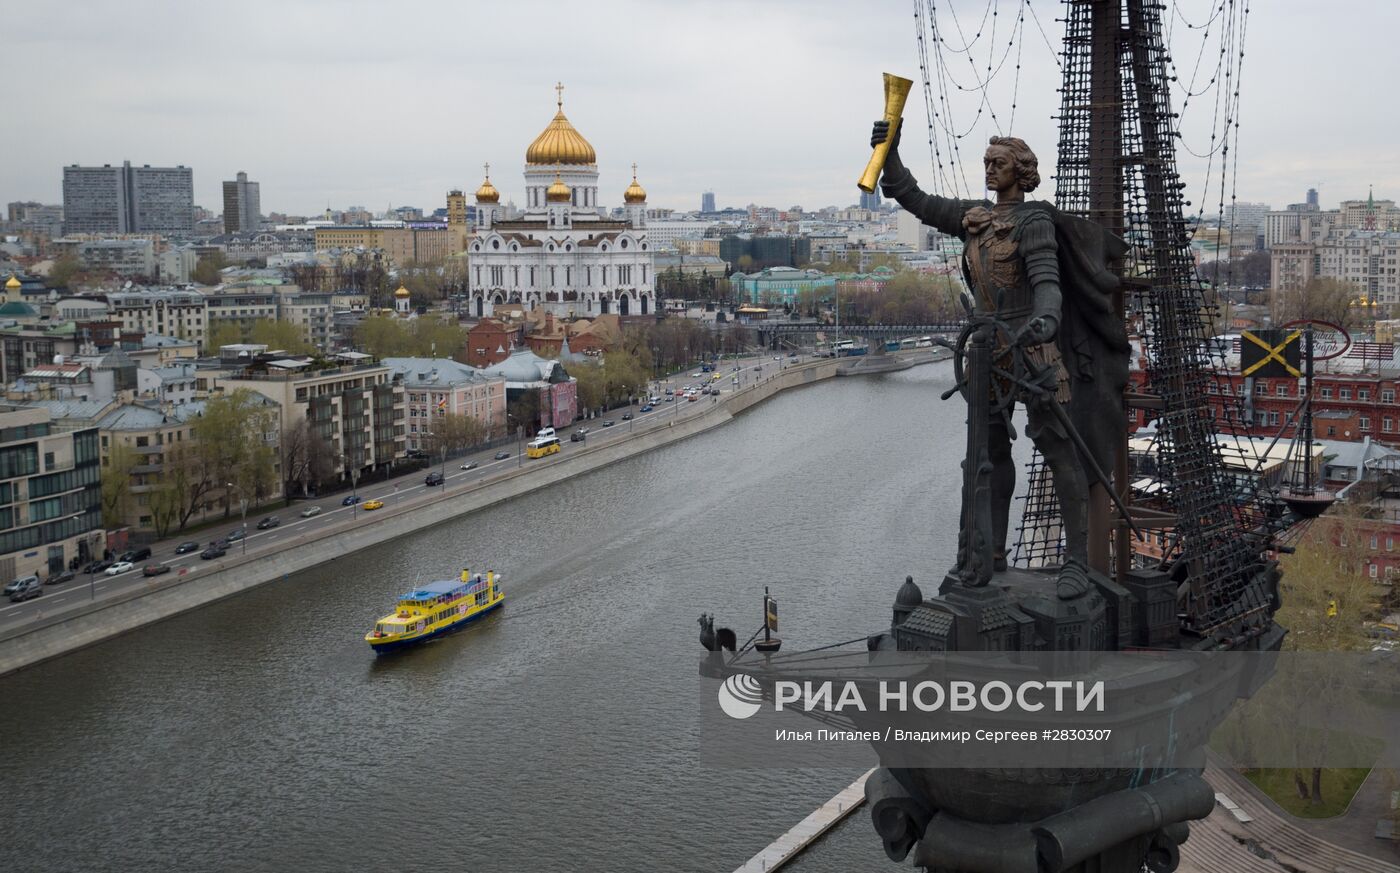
{"type": "Point", "coordinates": [50, 494]}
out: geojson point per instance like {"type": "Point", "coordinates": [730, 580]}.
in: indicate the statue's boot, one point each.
{"type": "Point", "coordinates": [1073, 581]}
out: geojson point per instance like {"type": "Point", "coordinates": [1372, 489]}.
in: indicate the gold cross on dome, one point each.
{"type": "Point", "coordinates": [634, 171]}
{"type": "Point", "coordinates": [559, 88]}
{"type": "Point", "coordinates": [488, 171]}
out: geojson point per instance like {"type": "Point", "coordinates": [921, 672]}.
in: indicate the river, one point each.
{"type": "Point", "coordinates": [261, 734]}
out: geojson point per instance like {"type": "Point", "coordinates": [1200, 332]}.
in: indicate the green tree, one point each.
{"type": "Point", "coordinates": [524, 411]}
{"type": "Point", "coordinates": [188, 479]}
{"type": "Point", "coordinates": [588, 376]}
{"type": "Point", "coordinates": [64, 271]}
{"type": "Point", "coordinates": [116, 483]}
{"type": "Point", "coordinates": [307, 459]}
{"type": "Point", "coordinates": [231, 435]}
{"type": "Point", "coordinates": [1324, 299]}
{"type": "Point", "coordinates": [222, 333]}
{"type": "Point", "coordinates": [383, 337]}
{"type": "Point", "coordinates": [280, 335]}
{"type": "Point", "coordinates": [165, 504]}
{"type": "Point", "coordinates": [206, 271]}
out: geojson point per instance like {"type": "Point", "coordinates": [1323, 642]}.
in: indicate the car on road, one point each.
{"type": "Point", "coordinates": [545, 432]}
{"type": "Point", "coordinates": [97, 566]}
{"type": "Point", "coordinates": [792, 355]}
{"type": "Point", "coordinates": [669, 392]}
{"type": "Point", "coordinates": [186, 548]}
{"type": "Point", "coordinates": [469, 465]}
{"type": "Point", "coordinates": [373, 504]}
{"type": "Point", "coordinates": [501, 456]}
{"type": "Point", "coordinates": [626, 416]}
{"type": "Point", "coordinates": [647, 408]}
{"type": "Point", "coordinates": [609, 423]}
{"type": "Point", "coordinates": [24, 589]}
{"type": "Point", "coordinates": [415, 454]}
{"type": "Point", "coordinates": [235, 535]}
{"type": "Point", "coordinates": [433, 480]}
{"type": "Point", "coordinates": [777, 357]}
{"type": "Point", "coordinates": [695, 375]}
{"type": "Point", "coordinates": [154, 570]}
{"type": "Point", "coordinates": [136, 555]}
{"type": "Point", "coordinates": [214, 551]}
{"type": "Point", "coordinates": [270, 522]}
{"type": "Point", "coordinates": [60, 578]}
{"type": "Point", "coordinates": [692, 397]}
{"type": "Point", "coordinates": [311, 512]}
{"type": "Point", "coordinates": [119, 568]}
{"type": "Point", "coordinates": [350, 501]}
{"type": "Point", "coordinates": [579, 435]}
{"type": "Point", "coordinates": [669, 398]}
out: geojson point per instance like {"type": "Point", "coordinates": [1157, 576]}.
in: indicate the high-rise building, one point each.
{"type": "Point", "coordinates": [242, 206]}
{"type": "Point", "coordinates": [870, 201]}
{"type": "Point", "coordinates": [707, 201]}
{"type": "Point", "coordinates": [128, 199]}
{"type": "Point", "coordinates": [1312, 198]}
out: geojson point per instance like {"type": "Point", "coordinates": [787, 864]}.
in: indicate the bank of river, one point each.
{"type": "Point", "coordinates": [260, 734]}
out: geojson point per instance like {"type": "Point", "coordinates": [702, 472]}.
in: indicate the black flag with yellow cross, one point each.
{"type": "Point", "coordinates": [1271, 354]}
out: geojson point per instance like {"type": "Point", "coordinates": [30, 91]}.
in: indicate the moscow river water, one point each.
{"type": "Point", "coordinates": [261, 734]}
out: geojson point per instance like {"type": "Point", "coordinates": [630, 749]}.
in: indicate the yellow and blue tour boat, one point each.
{"type": "Point", "coordinates": [437, 608]}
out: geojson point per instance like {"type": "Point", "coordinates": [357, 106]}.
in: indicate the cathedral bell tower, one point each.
{"type": "Point", "coordinates": [557, 198]}
{"type": "Point", "coordinates": [635, 198]}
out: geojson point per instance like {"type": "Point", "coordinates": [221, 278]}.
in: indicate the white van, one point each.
{"type": "Point", "coordinates": [545, 432]}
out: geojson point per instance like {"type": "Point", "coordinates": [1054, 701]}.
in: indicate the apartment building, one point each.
{"type": "Point", "coordinates": [50, 494]}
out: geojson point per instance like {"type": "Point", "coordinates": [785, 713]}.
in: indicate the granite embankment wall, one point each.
{"type": "Point", "coordinates": [52, 635]}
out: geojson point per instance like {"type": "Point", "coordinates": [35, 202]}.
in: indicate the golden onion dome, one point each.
{"type": "Point", "coordinates": [558, 192]}
{"type": "Point", "coordinates": [560, 143]}
{"type": "Point", "coordinates": [13, 283]}
{"type": "Point", "coordinates": [487, 193]}
{"type": "Point", "coordinates": [402, 292]}
{"type": "Point", "coordinates": [635, 193]}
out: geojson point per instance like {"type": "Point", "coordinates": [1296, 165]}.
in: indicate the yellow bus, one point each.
{"type": "Point", "coordinates": [541, 446]}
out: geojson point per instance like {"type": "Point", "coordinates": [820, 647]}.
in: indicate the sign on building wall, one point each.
{"type": "Point", "coordinates": [559, 404]}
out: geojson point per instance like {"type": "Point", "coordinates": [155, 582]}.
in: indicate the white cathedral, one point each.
{"type": "Point", "coordinates": [562, 255]}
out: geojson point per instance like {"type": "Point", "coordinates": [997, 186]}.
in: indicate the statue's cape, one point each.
{"type": "Point", "coordinates": [1092, 339]}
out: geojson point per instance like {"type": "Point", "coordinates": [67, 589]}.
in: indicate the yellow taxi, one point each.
{"type": "Point", "coordinates": [373, 504]}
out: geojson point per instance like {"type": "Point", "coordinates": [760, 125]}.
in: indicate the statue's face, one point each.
{"type": "Point", "coordinates": [1000, 167]}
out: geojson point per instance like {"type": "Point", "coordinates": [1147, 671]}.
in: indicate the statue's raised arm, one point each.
{"type": "Point", "coordinates": [898, 184]}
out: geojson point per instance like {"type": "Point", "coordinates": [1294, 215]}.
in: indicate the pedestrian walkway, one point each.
{"type": "Point", "coordinates": [1250, 835]}
{"type": "Point", "coordinates": [805, 832]}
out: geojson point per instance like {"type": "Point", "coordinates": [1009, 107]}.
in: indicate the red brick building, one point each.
{"type": "Point", "coordinates": [488, 342]}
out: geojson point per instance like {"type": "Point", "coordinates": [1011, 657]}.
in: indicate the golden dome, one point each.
{"type": "Point", "coordinates": [635, 193]}
{"type": "Point", "coordinates": [487, 193]}
{"type": "Point", "coordinates": [558, 192]}
{"type": "Point", "coordinates": [13, 282]}
{"type": "Point", "coordinates": [560, 143]}
{"type": "Point", "coordinates": [402, 292]}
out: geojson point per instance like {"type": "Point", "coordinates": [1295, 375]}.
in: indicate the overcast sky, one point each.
{"type": "Point", "coordinates": [362, 102]}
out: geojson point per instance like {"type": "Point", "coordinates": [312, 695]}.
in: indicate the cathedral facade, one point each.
{"type": "Point", "coordinates": [562, 255]}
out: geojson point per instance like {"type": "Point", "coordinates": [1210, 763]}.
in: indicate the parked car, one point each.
{"type": "Point", "coordinates": [350, 501]}
{"type": "Point", "coordinates": [97, 566]}
{"type": "Point", "coordinates": [626, 416]}
{"type": "Point", "coordinates": [415, 454]}
{"type": "Point", "coordinates": [609, 423]}
{"type": "Point", "coordinates": [136, 555]}
{"type": "Point", "coordinates": [501, 456]}
{"type": "Point", "coordinates": [154, 570]}
{"type": "Point", "coordinates": [578, 436]}
{"type": "Point", "coordinates": [235, 535]}
{"type": "Point", "coordinates": [311, 512]}
{"type": "Point", "coordinates": [24, 589]}
{"type": "Point", "coordinates": [270, 522]}
{"type": "Point", "coordinates": [470, 465]}
{"type": "Point", "coordinates": [432, 481]}
{"type": "Point", "coordinates": [186, 548]}
{"type": "Point", "coordinates": [669, 392]}
{"type": "Point", "coordinates": [214, 551]}
{"type": "Point", "coordinates": [119, 568]}
{"type": "Point", "coordinates": [373, 504]}
{"type": "Point", "coordinates": [669, 398]}
{"type": "Point", "coordinates": [60, 578]}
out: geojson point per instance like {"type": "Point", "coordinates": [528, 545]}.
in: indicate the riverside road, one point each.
{"type": "Point", "coordinates": [259, 733]}
{"type": "Point", "coordinates": [399, 491]}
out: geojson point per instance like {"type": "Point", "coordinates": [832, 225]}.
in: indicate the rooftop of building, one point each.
{"type": "Point", "coordinates": [430, 372]}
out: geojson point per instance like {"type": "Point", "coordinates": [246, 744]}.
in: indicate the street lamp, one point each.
{"type": "Point", "coordinates": [244, 501]}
